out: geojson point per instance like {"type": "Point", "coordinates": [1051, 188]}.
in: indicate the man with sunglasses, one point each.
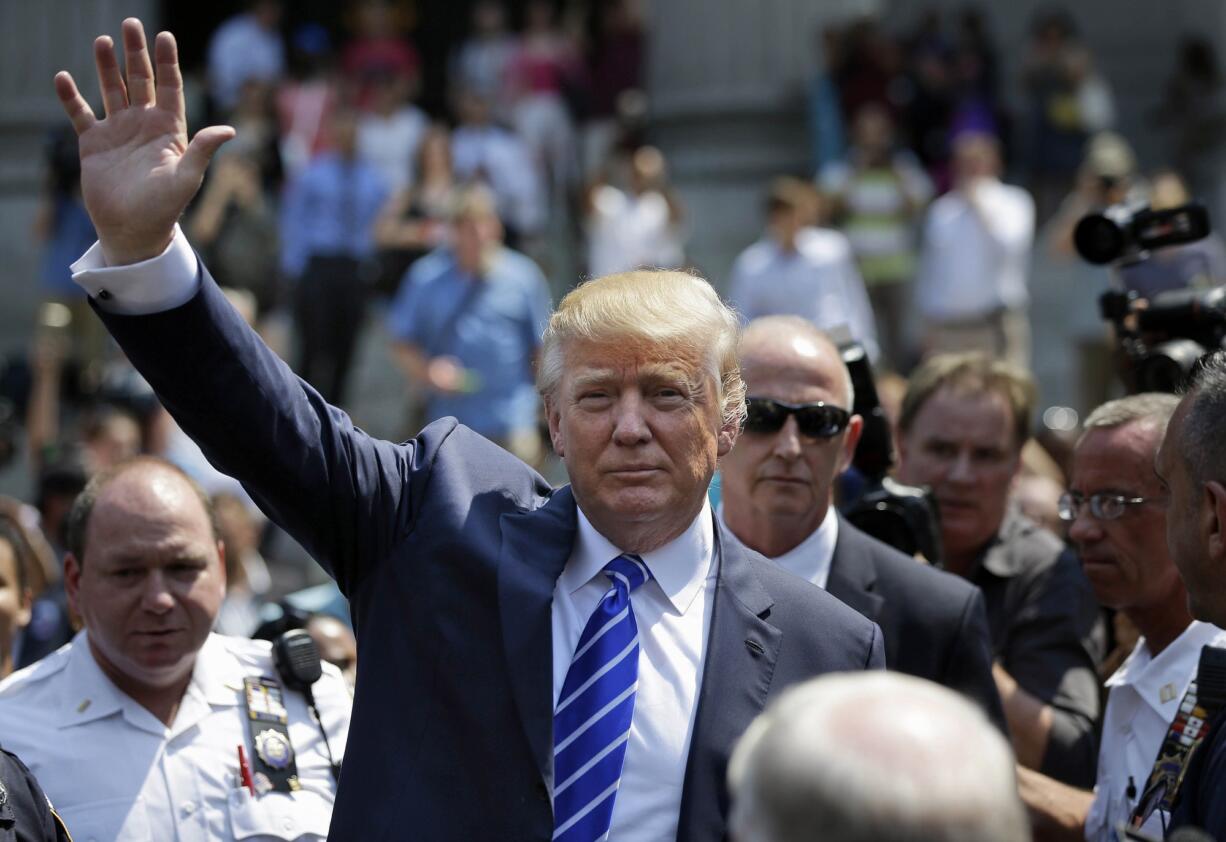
{"type": "Point", "coordinates": [1115, 509]}
{"type": "Point", "coordinates": [777, 487]}
{"type": "Point", "coordinates": [961, 429]}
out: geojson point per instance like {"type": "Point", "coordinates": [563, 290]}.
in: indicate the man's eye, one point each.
{"type": "Point", "coordinates": [942, 449]}
{"type": "Point", "coordinates": [126, 573]}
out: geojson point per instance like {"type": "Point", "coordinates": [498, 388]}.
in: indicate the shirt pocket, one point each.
{"type": "Point", "coordinates": [105, 821]}
{"type": "Point", "coordinates": [279, 816]}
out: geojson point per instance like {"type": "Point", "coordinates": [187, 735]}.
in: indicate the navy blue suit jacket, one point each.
{"type": "Point", "coordinates": [448, 549]}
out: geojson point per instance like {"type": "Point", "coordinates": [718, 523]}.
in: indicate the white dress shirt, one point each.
{"type": "Point", "coordinates": [627, 231]}
{"type": "Point", "coordinates": [812, 558]}
{"type": "Point", "coordinates": [115, 772]}
{"type": "Point", "coordinates": [1144, 697]}
{"type": "Point", "coordinates": [673, 614]}
{"type": "Point", "coordinates": [817, 281]}
{"type": "Point", "coordinates": [390, 143]}
{"type": "Point", "coordinates": [974, 263]}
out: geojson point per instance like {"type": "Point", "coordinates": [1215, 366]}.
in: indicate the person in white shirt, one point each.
{"type": "Point", "coordinates": [1116, 512]}
{"type": "Point", "coordinates": [800, 270]}
{"type": "Point", "coordinates": [971, 289]}
{"type": "Point", "coordinates": [391, 132]}
{"type": "Point", "coordinates": [482, 150]}
{"type": "Point", "coordinates": [247, 46]}
{"type": "Point", "coordinates": [637, 227]}
{"type": "Point", "coordinates": [134, 728]}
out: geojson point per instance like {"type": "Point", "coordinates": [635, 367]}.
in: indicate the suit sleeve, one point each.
{"type": "Point", "coordinates": [969, 668]}
{"type": "Point", "coordinates": [1050, 656]}
{"type": "Point", "coordinates": [876, 650]}
{"type": "Point", "coordinates": [348, 498]}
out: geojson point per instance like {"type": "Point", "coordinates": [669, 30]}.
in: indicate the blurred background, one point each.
{"type": "Point", "coordinates": [609, 134]}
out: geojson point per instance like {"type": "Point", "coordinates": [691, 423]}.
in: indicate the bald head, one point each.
{"type": "Point", "coordinates": [867, 756]}
{"type": "Point", "coordinates": [778, 480]}
{"type": "Point", "coordinates": [141, 486]}
{"type": "Point", "coordinates": [793, 348]}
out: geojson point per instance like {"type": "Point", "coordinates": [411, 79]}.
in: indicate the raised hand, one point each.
{"type": "Point", "coordinates": [138, 171]}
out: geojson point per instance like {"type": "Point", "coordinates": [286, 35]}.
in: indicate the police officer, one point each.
{"type": "Point", "coordinates": [25, 812]}
{"type": "Point", "coordinates": [148, 726]}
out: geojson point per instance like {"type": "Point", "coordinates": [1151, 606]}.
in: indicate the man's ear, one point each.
{"type": "Point", "coordinates": [1215, 517]}
{"type": "Point", "coordinates": [726, 438]}
{"type": "Point", "coordinates": [554, 417]}
{"type": "Point", "coordinates": [851, 438]}
{"type": "Point", "coordinates": [72, 582]}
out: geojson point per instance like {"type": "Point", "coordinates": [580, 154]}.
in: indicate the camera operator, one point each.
{"type": "Point", "coordinates": [1191, 466]}
{"type": "Point", "coordinates": [963, 422]}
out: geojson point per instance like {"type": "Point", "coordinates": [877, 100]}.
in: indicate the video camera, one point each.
{"type": "Point", "coordinates": [1160, 338]}
{"type": "Point", "coordinates": [903, 516]}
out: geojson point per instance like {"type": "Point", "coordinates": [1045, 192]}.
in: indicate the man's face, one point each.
{"type": "Point", "coordinates": [151, 582]}
{"type": "Point", "coordinates": [783, 479]}
{"type": "Point", "coordinates": [1188, 512]}
{"type": "Point", "coordinates": [640, 429]}
{"type": "Point", "coordinates": [1125, 559]}
{"type": "Point", "coordinates": [14, 601]}
{"type": "Point", "coordinates": [964, 447]}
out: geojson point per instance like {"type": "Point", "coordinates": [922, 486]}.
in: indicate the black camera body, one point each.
{"type": "Point", "coordinates": [903, 516]}
{"type": "Point", "coordinates": [1160, 339]}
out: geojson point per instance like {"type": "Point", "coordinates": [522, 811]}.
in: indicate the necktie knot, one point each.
{"type": "Point", "coordinates": [627, 572]}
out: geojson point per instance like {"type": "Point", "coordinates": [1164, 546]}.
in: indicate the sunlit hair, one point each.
{"type": "Point", "coordinates": [971, 374]}
{"type": "Point", "coordinates": [1156, 407]}
{"type": "Point", "coordinates": [1200, 434]}
{"type": "Point", "coordinates": [661, 308]}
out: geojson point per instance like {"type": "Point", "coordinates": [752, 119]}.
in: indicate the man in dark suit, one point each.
{"type": "Point", "coordinates": [505, 628]}
{"type": "Point", "coordinates": [777, 486]}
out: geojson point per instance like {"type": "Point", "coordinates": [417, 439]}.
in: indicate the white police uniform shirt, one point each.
{"type": "Point", "coordinates": [116, 772]}
{"type": "Point", "coordinates": [1145, 693]}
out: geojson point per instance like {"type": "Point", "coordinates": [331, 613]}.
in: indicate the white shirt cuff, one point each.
{"type": "Point", "coordinates": [138, 289]}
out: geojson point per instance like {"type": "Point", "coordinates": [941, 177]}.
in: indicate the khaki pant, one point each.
{"type": "Point", "coordinates": [1004, 334]}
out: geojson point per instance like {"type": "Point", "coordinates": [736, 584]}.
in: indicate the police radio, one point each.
{"type": "Point", "coordinates": [297, 660]}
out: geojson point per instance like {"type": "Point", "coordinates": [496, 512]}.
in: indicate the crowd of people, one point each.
{"type": "Point", "coordinates": [644, 652]}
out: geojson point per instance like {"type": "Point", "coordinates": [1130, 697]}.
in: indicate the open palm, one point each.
{"type": "Point", "coordinates": [138, 171]}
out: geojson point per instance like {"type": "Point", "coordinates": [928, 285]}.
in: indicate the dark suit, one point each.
{"type": "Point", "coordinates": [934, 623]}
{"type": "Point", "coordinates": [448, 549]}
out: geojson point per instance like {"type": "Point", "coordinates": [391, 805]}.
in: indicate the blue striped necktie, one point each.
{"type": "Point", "coordinates": [592, 721]}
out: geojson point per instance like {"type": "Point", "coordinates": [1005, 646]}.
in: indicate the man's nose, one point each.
{"type": "Point", "coordinates": [156, 596]}
{"type": "Point", "coordinates": [1085, 528]}
{"type": "Point", "coordinates": [961, 469]}
{"type": "Point", "coordinates": [629, 421]}
{"type": "Point", "coordinates": [787, 443]}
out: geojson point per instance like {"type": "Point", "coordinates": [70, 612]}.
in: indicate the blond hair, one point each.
{"type": "Point", "coordinates": [654, 307]}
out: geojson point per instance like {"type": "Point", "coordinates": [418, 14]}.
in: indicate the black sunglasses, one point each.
{"type": "Point", "coordinates": [816, 420]}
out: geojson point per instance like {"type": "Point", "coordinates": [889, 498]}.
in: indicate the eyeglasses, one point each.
{"type": "Point", "coordinates": [816, 420]}
{"type": "Point", "coordinates": [1103, 505]}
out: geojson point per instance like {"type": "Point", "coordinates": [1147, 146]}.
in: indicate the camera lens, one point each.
{"type": "Point", "coordinates": [1098, 239]}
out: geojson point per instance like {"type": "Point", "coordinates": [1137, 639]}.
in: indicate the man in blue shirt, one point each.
{"type": "Point", "coordinates": [327, 219]}
{"type": "Point", "coordinates": [466, 326]}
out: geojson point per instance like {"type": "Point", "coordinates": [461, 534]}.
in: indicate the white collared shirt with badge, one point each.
{"type": "Point", "coordinates": [116, 772]}
{"type": "Point", "coordinates": [1145, 693]}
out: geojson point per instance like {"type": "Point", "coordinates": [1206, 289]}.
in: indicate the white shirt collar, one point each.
{"type": "Point", "coordinates": [679, 568]}
{"type": "Point", "coordinates": [1175, 665]}
{"type": "Point", "coordinates": [217, 679]}
{"type": "Point", "coordinates": [811, 558]}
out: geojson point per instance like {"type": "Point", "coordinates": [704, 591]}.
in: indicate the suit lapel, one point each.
{"type": "Point", "coordinates": [742, 648]}
{"type": "Point", "coordinates": [853, 576]}
{"type": "Point", "coordinates": [535, 547]}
